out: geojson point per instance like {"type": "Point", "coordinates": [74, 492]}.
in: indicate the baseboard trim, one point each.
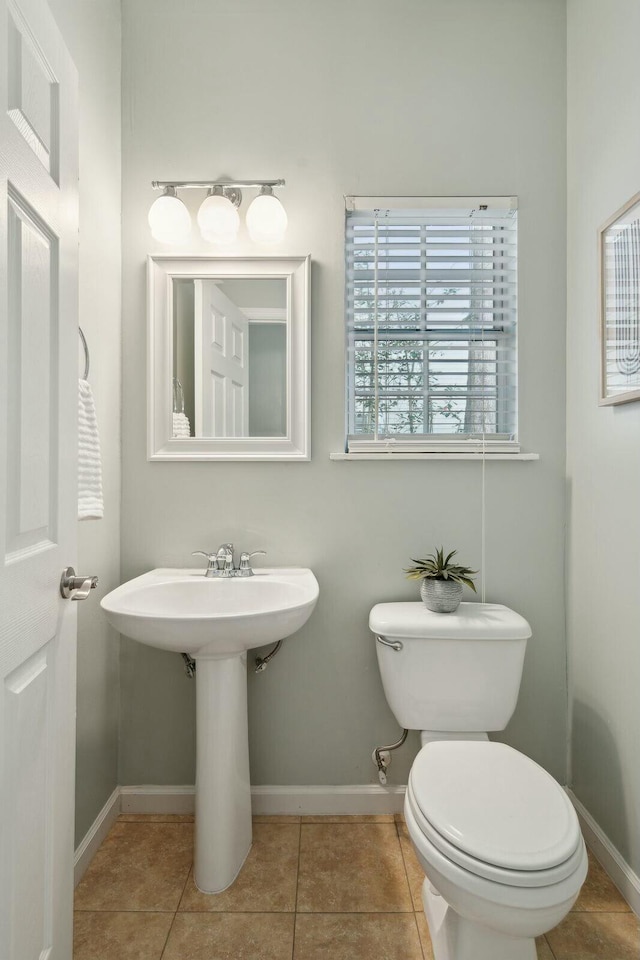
{"type": "Point", "coordinates": [95, 835]}
{"type": "Point", "coordinates": [149, 798]}
{"type": "Point", "coordinates": [626, 880]}
{"type": "Point", "coordinates": [359, 799]}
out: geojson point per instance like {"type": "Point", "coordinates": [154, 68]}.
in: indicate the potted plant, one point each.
{"type": "Point", "coordinates": [441, 586]}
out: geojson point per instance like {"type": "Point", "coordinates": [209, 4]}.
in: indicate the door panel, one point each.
{"type": "Point", "coordinates": [32, 382]}
{"type": "Point", "coordinates": [38, 480]}
{"type": "Point", "coordinates": [27, 719]}
{"type": "Point", "coordinates": [220, 361]}
{"type": "Point", "coordinates": [32, 91]}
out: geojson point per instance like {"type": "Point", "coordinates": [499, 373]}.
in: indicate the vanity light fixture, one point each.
{"type": "Point", "coordinates": [218, 217]}
{"type": "Point", "coordinates": [169, 219]}
{"type": "Point", "coordinates": [266, 217]}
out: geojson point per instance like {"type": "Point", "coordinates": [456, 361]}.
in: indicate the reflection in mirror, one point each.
{"type": "Point", "coordinates": [228, 352]}
{"type": "Point", "coordinates": [230, 357]}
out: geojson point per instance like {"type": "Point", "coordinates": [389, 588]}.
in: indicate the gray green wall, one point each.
{"type": "Point", "coordinates": [603, 443]}
{"type": "Point", "coordinates": [91, 29]}
{"type": "Point", "coordinates": [413, 97]}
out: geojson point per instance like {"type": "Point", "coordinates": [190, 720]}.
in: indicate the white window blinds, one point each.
{"type": "Point", "coordinates": [431, 298]}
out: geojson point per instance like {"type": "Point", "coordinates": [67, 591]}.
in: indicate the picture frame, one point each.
{"type": "Point", "coordinates": [619, 267]}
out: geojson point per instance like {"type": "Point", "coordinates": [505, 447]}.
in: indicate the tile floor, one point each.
{"type": "Point", "coordinates": [313, 888]}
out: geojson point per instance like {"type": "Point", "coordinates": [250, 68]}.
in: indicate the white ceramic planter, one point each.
{"type": "Point", "coordinates": [441, 596]}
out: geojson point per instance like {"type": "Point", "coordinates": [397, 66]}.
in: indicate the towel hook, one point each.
{"type": "Point", "coordinates": [86, 354]}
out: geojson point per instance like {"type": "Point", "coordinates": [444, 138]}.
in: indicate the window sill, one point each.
{"type": "Point", "coordinates": [433, 456]}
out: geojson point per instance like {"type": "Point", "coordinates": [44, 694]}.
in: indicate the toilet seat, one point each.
{"type": "Point", "coordinates": [495, 813]}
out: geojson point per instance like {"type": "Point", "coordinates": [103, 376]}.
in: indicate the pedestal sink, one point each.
{"type": "Point", "coordinates": [216, 621]}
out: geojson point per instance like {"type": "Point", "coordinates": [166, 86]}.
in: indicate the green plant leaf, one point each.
{"type": "Point", "coordinates": [435, 566]}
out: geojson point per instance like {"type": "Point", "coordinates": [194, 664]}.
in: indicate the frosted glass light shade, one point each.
{"type": "Point", "coordinates": [169, 220]}
{"type": "Point", "coordinates": [218, 219]}
{"type": "Point", "coordinates": [266, 219]}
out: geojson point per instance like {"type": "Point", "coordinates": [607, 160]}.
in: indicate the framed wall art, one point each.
{"type": "Point", "coordinates": [619, 240]}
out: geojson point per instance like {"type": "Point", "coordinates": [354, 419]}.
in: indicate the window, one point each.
{"type": "Point", "coordinates": [431, 323]}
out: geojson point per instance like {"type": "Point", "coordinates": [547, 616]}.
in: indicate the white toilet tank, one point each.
{"type": "Point", "coordinates": [452, 672]}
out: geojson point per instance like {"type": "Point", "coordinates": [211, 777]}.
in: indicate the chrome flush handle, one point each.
{"type": "Point", "coordinates": [394, 644]}
{"type": "Point", "coordinates": [76, 588]}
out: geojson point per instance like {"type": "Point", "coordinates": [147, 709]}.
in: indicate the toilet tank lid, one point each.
{"type": "Point", "coordinates": [487, 621]}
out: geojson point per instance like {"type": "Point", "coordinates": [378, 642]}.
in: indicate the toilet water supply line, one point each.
{"type": "Point", "coordinates": [382, 761]}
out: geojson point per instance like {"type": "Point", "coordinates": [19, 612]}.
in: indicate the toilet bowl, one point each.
{"type": "Point", "coordinates": [497, 837]}
{"type": "Point", "coordinates": [500, 845]}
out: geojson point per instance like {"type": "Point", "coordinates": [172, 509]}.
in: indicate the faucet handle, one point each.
{"type": "Point", "coordinates": [211, 561]}
{"type": "Point", "coordinates": [244, 570]}
{"type": "Point", "coordinates": [203, 553]}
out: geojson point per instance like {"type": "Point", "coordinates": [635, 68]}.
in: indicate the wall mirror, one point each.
{"type": "Point", "coordinates": [228, 358]}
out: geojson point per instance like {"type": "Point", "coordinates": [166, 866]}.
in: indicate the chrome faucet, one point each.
{"type": "Point", "coordinates": [221, 564]}
{"type": "Point", "coordinates": [226, 566]}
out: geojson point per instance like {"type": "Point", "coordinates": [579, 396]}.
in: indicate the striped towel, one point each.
{"type": "Point", "coordinates": [181, 426]}
{"type": "Point", "coordinates": [90, 503]}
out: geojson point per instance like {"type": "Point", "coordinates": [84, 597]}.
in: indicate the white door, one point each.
{"type": "Point", "coordinates": [221, 361]}
{"type": "Point", "coordinates": [38, 480]}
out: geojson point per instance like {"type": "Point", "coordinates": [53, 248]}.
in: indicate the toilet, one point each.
{"type": "Point", "coordinates": [497, 837]}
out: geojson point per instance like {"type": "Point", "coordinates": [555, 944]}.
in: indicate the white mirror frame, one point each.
{"type": "Point", "coordinates": [161, 445]}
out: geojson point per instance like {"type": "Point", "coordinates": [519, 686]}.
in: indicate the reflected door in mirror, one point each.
{"type": "Point", "coordinates": [221, 368]}
{"type": "Point", "coordinates": [230, 356]}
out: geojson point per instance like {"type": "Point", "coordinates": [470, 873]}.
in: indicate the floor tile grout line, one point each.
{"type": "Point", "coordinates": [184, 887]}
{"type": "Point", "coordinates": [249, 913]}
{"type": "Point", "coordinates": [600, 910]}
{"type": "Point", "coordinates": [303, 913]}
{"type": "Point", "coordinates": [406, 872]}
{"type": "Point", "coordinates": [404, 864]}
{"type": "Point", "coordinates": [295, 903]}
{"type": "Point", "coordinates": [415, 920]}
{"type": "Point", "coordinates": [281, 913]}
{"type": "Point", "coordinates": [348, 913]}
{"type": "Point", "coordinates": [166, 939]}
{"type": "Point", "coordinates": [119, 910]}
{"type": "Point", "coordinates": [550, 947]}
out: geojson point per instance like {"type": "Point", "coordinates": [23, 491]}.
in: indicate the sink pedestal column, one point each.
{"type": "Point", "coordinates": [223, 787]}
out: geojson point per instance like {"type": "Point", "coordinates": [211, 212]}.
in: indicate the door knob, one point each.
{"type": "Point", "coordinates": [76, 588]}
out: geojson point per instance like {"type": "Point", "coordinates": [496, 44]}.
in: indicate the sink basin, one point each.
{"type": "Point", "coordinates": [184, 611]}
{"type": "Point", "coordinates": [216, 621]}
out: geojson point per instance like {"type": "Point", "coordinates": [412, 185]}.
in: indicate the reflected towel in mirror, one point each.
{"type": "Point", "coordinates": [181, 425]}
